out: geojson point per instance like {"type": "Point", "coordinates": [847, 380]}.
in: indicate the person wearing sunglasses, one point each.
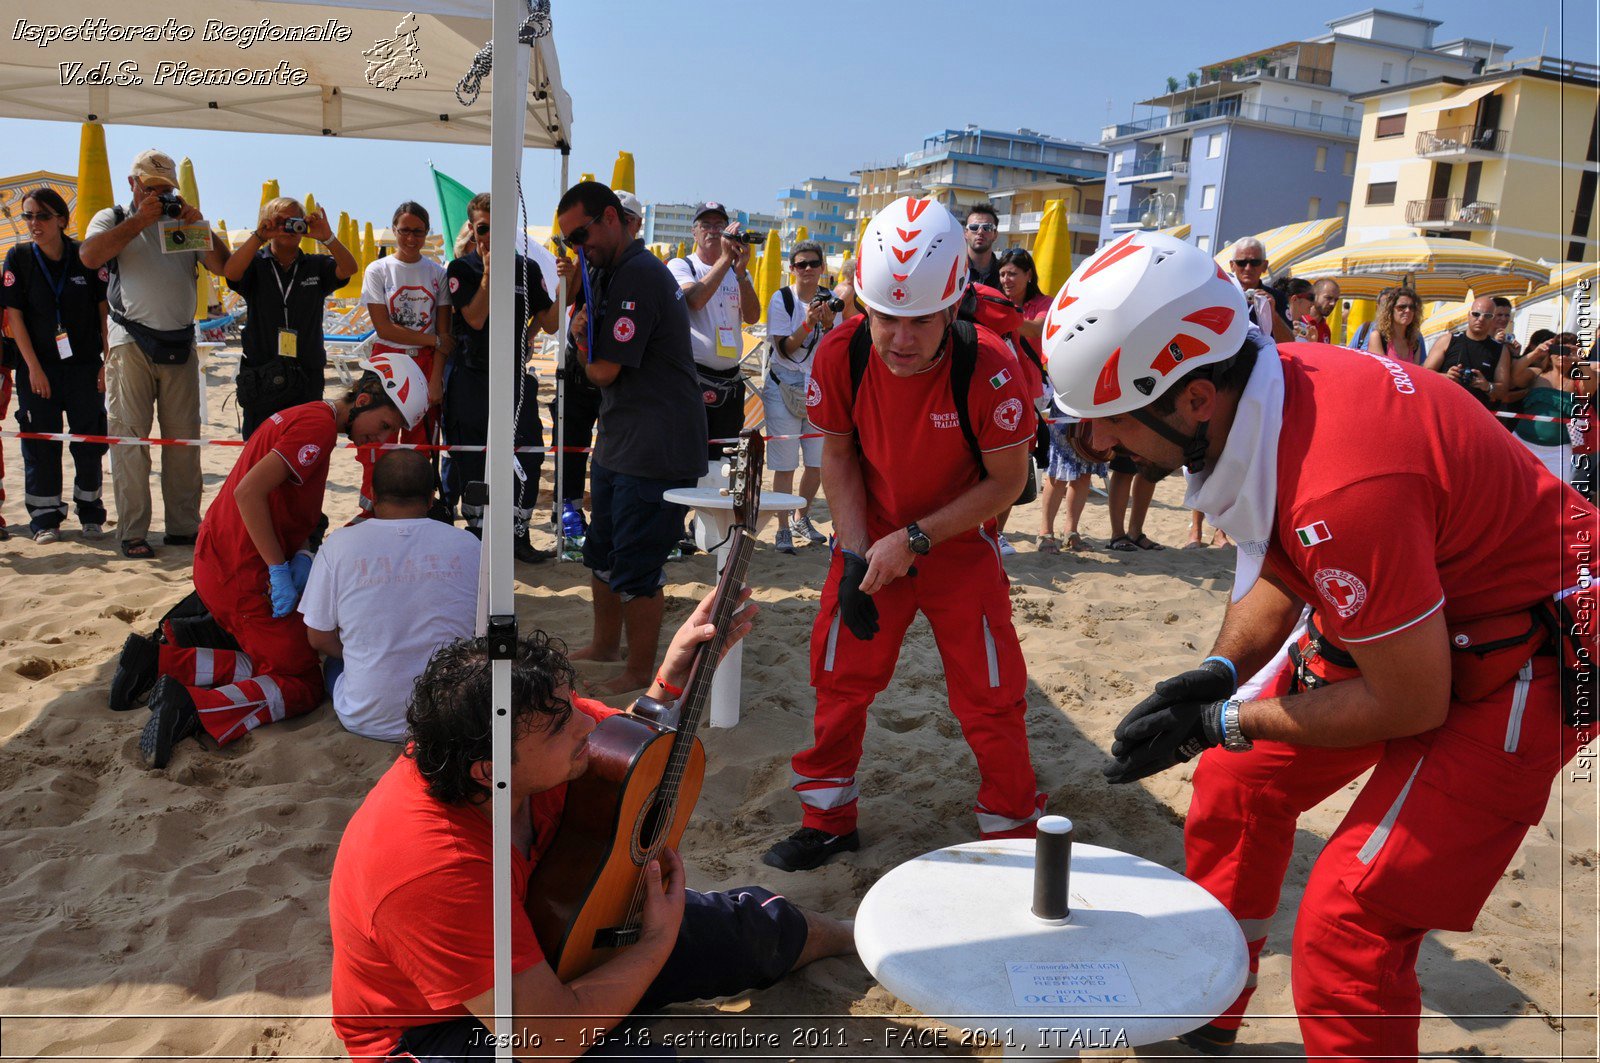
{"type": "Point", "coordinates": [1397, 332]}
{"type": "Point", "coordinates": [467, 384]}
{"type": "Point", "coordinates": [152, 371]}
{"type": "Point", "coordinates": [633, 339]}
{"type": "Point", "coordinates": [1382, 499]}
{"type": "Point", "coordinates": [1473, 357]}
{"type": "Point", "coordinates": [798, 316]}
{"type": "Point", "coordinates": [1269, 307]}
{"type": "Point", "coordinates": [285, 292]}
{"type": "Point", "coordinates": [982, 230]}
{"type": "Point", "coordinates": [55, 313]}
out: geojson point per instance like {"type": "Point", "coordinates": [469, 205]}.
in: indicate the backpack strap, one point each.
{"type": "Point", "coordinates": [963, 362]}
{"type": "Point", "coordinates": [788, 299]}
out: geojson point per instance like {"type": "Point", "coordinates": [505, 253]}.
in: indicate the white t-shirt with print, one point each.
{"type": "Point", "coordinates": [411, 291]}
{"type": "Point", "coordinates": [782, 323]}
{"type": "Point", "coordinates": [395, 590]}
{"type": "Point", "coordinates": [718, 323]}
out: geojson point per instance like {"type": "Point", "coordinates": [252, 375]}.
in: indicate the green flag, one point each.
{"type": "Point", "coordinates": [453, 199]}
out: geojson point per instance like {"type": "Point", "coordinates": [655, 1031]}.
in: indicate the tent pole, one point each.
{"type": "Point", "coordinates": [560, 428]}
{"type": "Point", "coordinates": [508, 115]}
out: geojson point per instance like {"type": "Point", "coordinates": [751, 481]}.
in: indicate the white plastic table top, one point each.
{"type": "Point", "coordinates": [1146, 955]}
{"type": "Point", "coordinates": [714, 519]}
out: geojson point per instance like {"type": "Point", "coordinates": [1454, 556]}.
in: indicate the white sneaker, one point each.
{"type": "Point", "coordinates": [94, 531]}
{"type": "Point", "coordinates": [46, 536]}
{"type": "Point", "coordinates": [803, 527]}
{"type": "Point", "coordinates": [1006, 549]}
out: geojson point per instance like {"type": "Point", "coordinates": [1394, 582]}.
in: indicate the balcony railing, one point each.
{"type": "Point", "coordinates": [1460, 140]}
{"type": "Point", "coordinates": [1253, 112]}
{"type": "Point", "coordinates": [1450, 213]}
{"type": "Point", "coordinates": [1146, 216]}
{"type": "Point", "coordinates": [1158, 164]}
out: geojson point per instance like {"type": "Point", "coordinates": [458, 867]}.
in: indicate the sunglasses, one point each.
{"type": "Point", "coordinates": [407, 231]}
{"type": "Point", "coordinates": [1080, 437]}
{"type": "Point", "coordinates": [1404, 306]}
{"type": "Point", "coordinates": [1249, 263]}
{"type": "Point", "coordinates": [810, 263]}
{"type": "Point", "coordinates": [38, 216]}
{"type": "Point", "coordinates": [981, 227]}
{"type": "Point", "coordinates": [579, 236]}
{"type": "Point", "coordinates": [1477, 314]}
{"type": "Point", "coordinates": [482, 228]}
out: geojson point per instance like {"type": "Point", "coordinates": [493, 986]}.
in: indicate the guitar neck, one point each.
{"type": "Point", "coordinates": [725, 603]}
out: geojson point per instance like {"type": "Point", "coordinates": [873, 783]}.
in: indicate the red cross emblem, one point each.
{"type": "Point", "coordinates": [899, 295]}
{"type": "Point", "coordinates": [1342, 590]}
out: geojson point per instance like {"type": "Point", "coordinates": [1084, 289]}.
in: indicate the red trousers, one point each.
{"type": "Point", "coordinates": [962, 589]}
{"type": "Point", "coordinates": [427, 431]}
{"type": "Point", "coordinates": [1421, 848]}
{"type": "Point", "coordinates": [275, 674]}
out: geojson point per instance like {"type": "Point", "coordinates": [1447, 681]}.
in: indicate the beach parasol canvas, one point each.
{"type": "Point", "coordinates": [94, 178]}
{"type": "Point", "coordinates": [205, 294]}
{"type": "Point", "coordinates": [1288, 244]}
{"type": "Point", "coordinates": [1563, 284]}
{"type": "Point", "coordinates": [771, 270]}
{"type": "Point", "coordinates": [12, 189]}
{"type": "Point", "coordinates": [1437, 268]}
{"type": "Point", "coordinates": [1052, 248]}
{"type": "Point", "coordinates": [622, 173]}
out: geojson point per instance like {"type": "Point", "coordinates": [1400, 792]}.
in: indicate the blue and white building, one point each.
{"type": "Point", "coordinates": [826, 207]}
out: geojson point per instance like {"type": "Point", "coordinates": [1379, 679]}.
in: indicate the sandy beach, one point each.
{"type": "Point", "coordinates": [183, 913]}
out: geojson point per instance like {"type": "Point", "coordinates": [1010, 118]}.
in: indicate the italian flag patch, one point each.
{"type": "Point", "coordinates": [1312, 534]}
{"type": "Point", "coordinates": [999, 379]}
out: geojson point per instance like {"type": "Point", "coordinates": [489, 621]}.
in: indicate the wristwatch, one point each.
{"type": "Point", "coordinates": [920, 543]}
{"type": "Point", "coordinates": [1233, 739]}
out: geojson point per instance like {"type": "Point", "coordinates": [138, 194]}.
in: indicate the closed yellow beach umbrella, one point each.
{"type": "Point", "coordinates": [1052, 248]}
{"type": "Point", "coordinates": [802, 233]}
{"type": "Point", "coordinates": [622, 173]}
{"type": "Point", "coordinates": [347, 236]}
{"type": "Point", "coordinates": [771, 270]}
{"type": "Point", "coordinates": [222, 234]}
{"type": "Point", "coordinates": [1361, 312]}
{"type": "Point", "coordinates": [269, 191]}
{"type": "Point", "coordinates": [683, 249]}
{"type": "Point", "coordinates": [308, 245]}
{"type": "Point", "coordinates": [190, 191]}
{"type": "Point", "coordinates": [94, 177]}
{"type": "Point", "coordinates": [369, 248]}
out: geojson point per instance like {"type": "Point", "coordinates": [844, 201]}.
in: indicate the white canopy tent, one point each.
{"type": "Point", "coordinates": [352, 87]}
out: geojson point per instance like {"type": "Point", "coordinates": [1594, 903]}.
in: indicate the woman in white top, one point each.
{"type": "Point", "coordinates": [797, 318]}
{"type": "Point", "coordinates": [408, 302]}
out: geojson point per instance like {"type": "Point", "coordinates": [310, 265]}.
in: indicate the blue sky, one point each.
{"type": "Point", "coordinates": [733, 100]}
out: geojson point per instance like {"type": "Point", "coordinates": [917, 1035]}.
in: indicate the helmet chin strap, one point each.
{"type": "Point", "coordinates": [1194, 447]}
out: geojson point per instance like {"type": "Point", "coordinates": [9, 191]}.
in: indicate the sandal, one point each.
{"type": "Point", "coordinates": [1049, 544]}
{"type": "Point", "coordinates": [1122, 543]}
{"type": "Point", "coordinates": [1144, 542]}
{"type": "Point", "coordinates": [137, 549]}
{"type": "Point", "coordinates": [1074, 541]}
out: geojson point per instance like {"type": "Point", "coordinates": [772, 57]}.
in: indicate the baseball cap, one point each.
{"type": "Point", "coordinates": [152, 165]}
{"type": "Point", "coordinates": [712, 207]}
{"type": "Point", "coordinates": [631, 204]}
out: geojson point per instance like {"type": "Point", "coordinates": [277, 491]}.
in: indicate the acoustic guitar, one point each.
{"type": "Point", "coordinates": [586, 896]}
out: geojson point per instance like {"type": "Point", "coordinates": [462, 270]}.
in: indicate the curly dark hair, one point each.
{"type": "Point", "coordinates": [448, 717]}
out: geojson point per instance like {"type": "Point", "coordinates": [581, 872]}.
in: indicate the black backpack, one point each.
{"type": "Point", "coordinates": [963, 360]}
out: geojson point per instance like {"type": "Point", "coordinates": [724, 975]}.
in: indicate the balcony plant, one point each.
{"type": "Point", "coordinates": [1172, 84]}
{"type": "Point", "coordinates": [1194, 79]}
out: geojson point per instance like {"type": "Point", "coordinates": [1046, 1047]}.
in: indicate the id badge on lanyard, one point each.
{"type": "Point", "coordinates": [63, 344]}
{"type": "Point", "coordinates": [288, 338]}
{"type": "Point", "coordinates": [288, 343]}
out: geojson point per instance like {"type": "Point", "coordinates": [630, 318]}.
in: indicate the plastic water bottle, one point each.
{"type": "Point", "coordinates": [572, 524]}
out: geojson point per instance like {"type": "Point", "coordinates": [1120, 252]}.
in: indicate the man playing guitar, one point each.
{"type": "Point", "coordinates": [412, 933]}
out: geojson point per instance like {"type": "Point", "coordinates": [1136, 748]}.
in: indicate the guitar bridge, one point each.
{"type": "Point", "coordinates": [615, 937]}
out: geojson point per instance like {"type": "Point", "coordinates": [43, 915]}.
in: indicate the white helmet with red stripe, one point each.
{"type": "Point", "coordinates": [1136, 317]}
{"type": "Point", "coordinates": [912, 259]}
{"type": "Point", "coordinates": [403, 382]}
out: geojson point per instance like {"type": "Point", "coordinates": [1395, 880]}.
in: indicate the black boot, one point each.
{"type": "Point", "coordinates": [136, 672]}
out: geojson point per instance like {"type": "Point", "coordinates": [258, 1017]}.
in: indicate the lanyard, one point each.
{"type": "Point", "coordinates": [56, 287]}
{"type": "Point", "coordinates": [588, 299]}
{"type": "Point", "coordinates": [284, 289]}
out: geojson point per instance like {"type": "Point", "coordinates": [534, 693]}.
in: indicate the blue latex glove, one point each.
{"type": "Point", "coordinates": [300, 569]}
{"type": "Point", "coordinates": [280, 580]}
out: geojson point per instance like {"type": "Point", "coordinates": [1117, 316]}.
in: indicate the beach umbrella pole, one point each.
{"type": "Point", "coordinates": [508, 115]}
{"type": "Point", "coordinates": [559, 433]}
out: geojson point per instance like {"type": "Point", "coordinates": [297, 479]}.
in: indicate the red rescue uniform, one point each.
{"type": "Point", "coordinates": [1396, 497]}
{"type": "Point", "coordinates": [914, 459]}
{"type": "Point", "coordinates": [275, 674]}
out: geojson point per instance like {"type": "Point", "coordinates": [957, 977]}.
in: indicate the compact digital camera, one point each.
{"type": "Point", "coordinates": [171, 205]}
{"type": "Point", "coordinates": [297, 226]}
{"type": "Point", "coordinates": [826, 295]}
{"type": "Point", "coordinates": [746, 237]}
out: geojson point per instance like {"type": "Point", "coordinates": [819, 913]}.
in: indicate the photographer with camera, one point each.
{"type": "Point", "coordinates": [284, 290]}
{"type": "Point", "coordinates": [152, 369]}
{"type": "Point", "coordinates": [797, 318]}
{"type": "Point", "coordinates": [721, 299]}
{"type": "Point", "coordinates": [1473, 358]}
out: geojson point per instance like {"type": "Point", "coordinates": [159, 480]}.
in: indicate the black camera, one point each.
{"type": "Point", "coordinates": [171, 205]}
{"type": "Point", "coordinates": [1468, 375]}
{"type": "Point", "coordinates": [746, 237]}
{"type": "Point", "coordinates": [826, 295]}
{"type": "Point", "coordinates": [297, 226]}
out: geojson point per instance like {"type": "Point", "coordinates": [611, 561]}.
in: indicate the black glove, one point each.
{"type": "Point", "coordinates": [858, 611]}
{"type": "Point", "coordinates": [1179, 721]}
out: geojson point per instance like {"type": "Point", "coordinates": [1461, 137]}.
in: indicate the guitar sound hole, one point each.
{"type": "Point", "coordinates": [649, 828]}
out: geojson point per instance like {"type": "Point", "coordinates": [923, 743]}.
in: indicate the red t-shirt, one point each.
{"type": "Point", "coordinates": [302, 437]}
{"type": "Point", "coordinates": [410, 903]}
{"type": "Point", "coordinates": [914, 456]}
{"type": "Point", "coordinates": [1318, 329]}
{"type": "Point", "coordinates": [1399, 495]}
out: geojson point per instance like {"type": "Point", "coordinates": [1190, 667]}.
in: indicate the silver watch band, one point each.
{"type": "Point", "coordinates": [1233, 739]}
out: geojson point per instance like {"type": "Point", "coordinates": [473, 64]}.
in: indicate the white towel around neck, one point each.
{"type": "Point", "coordinates": [1240, 494]}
